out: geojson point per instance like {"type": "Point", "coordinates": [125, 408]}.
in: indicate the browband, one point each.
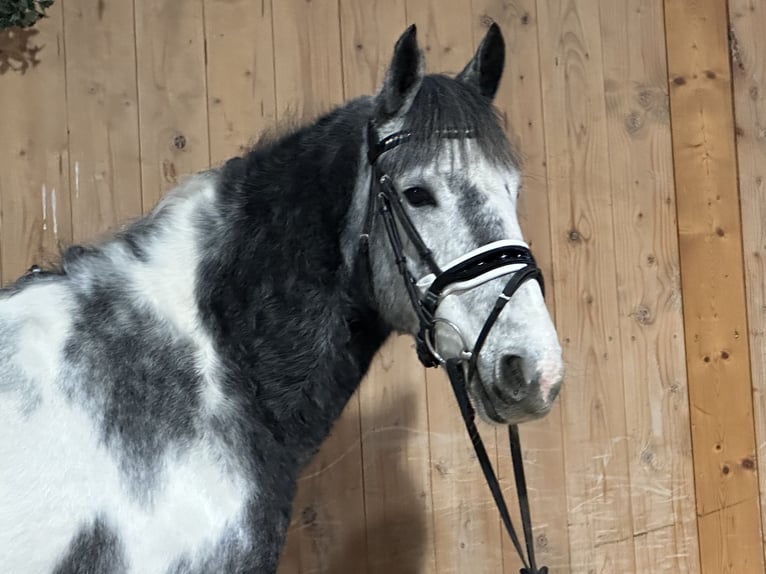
{"type": "Point", "coordinates": [376, 147]}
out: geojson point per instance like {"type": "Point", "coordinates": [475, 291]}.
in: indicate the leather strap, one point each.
{"type": "Point", "coordinates": [458, 382]}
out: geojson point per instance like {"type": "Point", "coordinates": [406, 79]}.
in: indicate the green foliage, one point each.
{"type": "Point", "coordinates": [21, 13]}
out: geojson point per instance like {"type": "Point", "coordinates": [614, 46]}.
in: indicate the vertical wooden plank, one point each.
{"type": "Point", "coordinates": [170, 55]}
{"type": "Point", "coordinates": [327, 532]}
{"type": "Point", "coordinates": [467, 534]}
{"type": "Point", "coordinates": [240, 74]}
{"type": "Point", "coordinates": [717, 350]}
{"type": "Point", "coordinates": [397, 474]}
{"type": "Point", "coordinates": [597, 475]}
{"type": "Point", "coordinates": [394, 415]}
{"type": "Point", "coordinates": [369, 30]}
{"type": "Point", "coordinates": [36, 215]}
{"type": "Point", "coordinates": [520, 102]}
{"type": "Point", "coordinates": [308, 67]}
{"type": "Point", "coordinates": [748, 54]}
{"type": "Point", "coordinates": [650, 319]}
{"type": "Point", "coordinates": [104, 167]}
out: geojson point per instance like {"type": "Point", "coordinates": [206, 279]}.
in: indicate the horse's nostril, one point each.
{"type": "Point", "coordinates": [512, 386]}
{"type": "Point", "coordinates": [511, 366]}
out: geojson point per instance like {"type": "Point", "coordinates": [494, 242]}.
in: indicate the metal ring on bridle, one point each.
{"type": "Point", "coordinates": [465, 354]}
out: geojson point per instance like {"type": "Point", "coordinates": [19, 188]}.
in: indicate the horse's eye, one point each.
{"type": "Point", "coordinates": [418, 197]}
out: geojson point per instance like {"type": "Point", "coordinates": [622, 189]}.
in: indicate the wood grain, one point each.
{"type": "Point", "coordinates": [397, 470]}
{"type": "Point", "coordinates": [717, 350]}
{"type": "Point", "coordinates": [747, 47]}
{"type": "Point", "coordinates": [466, 524]}
{"type": "Point", "coordinates": [648, 286]}
{"type": "Point", "coordinates": [308, 66]}
{"type": "Point", "coordinates": [587, 310]}
{"type": "Point", "coordinates": [170, 55]}
{"type": "Point", "coordinates": [102, 106]}
{"type": "Point", "coordinates": [36, 214]}
{"type": "Point", "coordinates": [328, 529]}
{"type": "Point", "coordinates": [240, 74]}
{"type": "Point", "coordinates": [393, 397]}
{"type": "Point", "coordinates": [519, 100]}
{"type": "Point", "coordinates": [110, 105]}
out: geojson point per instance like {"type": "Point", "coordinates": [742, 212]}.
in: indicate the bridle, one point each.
{"type": "Point", "coordinates": [497, 259]}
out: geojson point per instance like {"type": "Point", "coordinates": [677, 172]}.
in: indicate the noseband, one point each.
{"type": "Point", "coordinates": [488, 262]}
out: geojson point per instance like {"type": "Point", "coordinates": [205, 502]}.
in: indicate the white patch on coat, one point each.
{"type": "Point", "coordinates": [57, 475]}
{"type": "Point", "coordinates": [166, 281]}
{"type": "Point", "coordinates": [56, 461]}
{"type": "Point", "coordinates": [198, 503]}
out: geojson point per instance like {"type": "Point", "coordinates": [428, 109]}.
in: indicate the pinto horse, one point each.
{"type": "Point", "coordinates": [161, 390]}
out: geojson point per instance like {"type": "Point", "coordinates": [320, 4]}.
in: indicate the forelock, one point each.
{"type": "Point", "coordinates": [444, 111]}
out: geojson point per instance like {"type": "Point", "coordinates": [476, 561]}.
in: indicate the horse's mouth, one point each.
{"type": "Point", "coordinates": [497, 409]}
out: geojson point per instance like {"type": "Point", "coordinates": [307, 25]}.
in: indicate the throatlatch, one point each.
{"type": "Point", "coordinates": [488, 262]}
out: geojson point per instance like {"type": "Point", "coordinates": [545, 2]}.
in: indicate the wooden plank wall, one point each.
{"type": "Point", "coordinates": [104, 106]}
{"type": "Point", "coordinates": [747, 19]}
{"type": "Point", "coordinates": [710, 238]}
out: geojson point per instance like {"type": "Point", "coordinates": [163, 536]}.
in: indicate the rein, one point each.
{"type": "Point", "coordinates": [488, 262]}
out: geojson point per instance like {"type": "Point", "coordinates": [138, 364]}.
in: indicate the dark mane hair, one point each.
{"type": "Point", "coordinates": [443, 104]}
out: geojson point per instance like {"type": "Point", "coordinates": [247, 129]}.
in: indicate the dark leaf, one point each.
{"type": "Point", "coordinates": [22, 13]}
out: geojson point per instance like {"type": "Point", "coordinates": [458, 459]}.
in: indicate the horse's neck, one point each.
{"type": "Point", "coordinates": [280, 301]}
{"type": "Point", "coordinates": [294, 334]}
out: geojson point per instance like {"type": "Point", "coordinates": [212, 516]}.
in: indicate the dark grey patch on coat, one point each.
{"type": "Point", "coordinates": [134, 375]}
{"type": "Point", "coordinates": [134, 236]}
{"type": "Point", "coordinates": [96, 549]}
{"type": "Point", "coordinates": [483, 225]}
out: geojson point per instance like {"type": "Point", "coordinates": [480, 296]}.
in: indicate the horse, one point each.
{"type": "Point", "coordinates": [162, 388]}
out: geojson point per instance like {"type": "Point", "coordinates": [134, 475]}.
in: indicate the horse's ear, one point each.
{"type": "Point", "coordinates": [486, 67]}
{"type": "Point", "coordinates": [402, 80]}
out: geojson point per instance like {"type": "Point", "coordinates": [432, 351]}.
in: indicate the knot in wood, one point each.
{"type": "Point", "coordinates": [643, 315]}
{"type": "Point", "coordinates": [633, 122]}
{"type": "Point", "coordinates": [179, 141]}
{"type": "Point", "coordinates": [308, 516]}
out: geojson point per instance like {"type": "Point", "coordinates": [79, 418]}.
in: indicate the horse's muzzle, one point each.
{"type": "Point", "coordinates": [511, 397]}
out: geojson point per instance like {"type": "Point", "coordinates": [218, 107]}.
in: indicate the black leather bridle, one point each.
{"type": "Point", "coordinates": [480, 265]}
